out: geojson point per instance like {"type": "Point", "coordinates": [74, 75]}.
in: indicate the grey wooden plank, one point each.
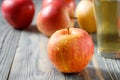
{"type": "Point", "coordinates": [3, 34]}
{"type": "Point", "coordinates": [29, 62]}
{"type": "Point", "coordinates": [7, 52]}
{"type": "Point", "coordinates": [113, 69]}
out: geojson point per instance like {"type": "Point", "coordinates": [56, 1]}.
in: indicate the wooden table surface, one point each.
{"type": "Point", "coordinates": [23, 56]}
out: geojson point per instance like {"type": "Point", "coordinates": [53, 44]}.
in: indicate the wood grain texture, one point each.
{"type": "Point", "coordinates": [7, 51]}
{"type": "Point", "coordinates": [23, 56]}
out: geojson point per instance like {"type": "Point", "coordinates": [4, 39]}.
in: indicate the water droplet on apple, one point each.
{"type": "Point", "coordinates": [66, 41]}
{"type": "Point", "coordinates": [58, 48]}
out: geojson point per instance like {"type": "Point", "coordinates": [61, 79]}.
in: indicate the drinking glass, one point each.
{"type": "Point", "coordinates": [107, 13]}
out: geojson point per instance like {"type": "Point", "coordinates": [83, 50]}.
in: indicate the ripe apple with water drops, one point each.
{"type": "Point", "coordinates": [70, 50]}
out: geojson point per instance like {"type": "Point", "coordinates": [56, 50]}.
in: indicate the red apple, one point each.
{"type": "Point", "coordinates": [18, 13]}
{"type": "Point", "coordinates": [70, 50]}
{"type": "Point", "coordinates": [55, 15]}
{"type": "Point", "coordinates": [70, 3]}
{"type": "Point", "coordinates": [46, 2]}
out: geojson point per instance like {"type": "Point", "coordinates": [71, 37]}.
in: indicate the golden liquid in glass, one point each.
{"type": "Point", "coordinates": [108, 25]}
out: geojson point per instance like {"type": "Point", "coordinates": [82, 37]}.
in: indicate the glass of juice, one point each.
{"type": "Point", "coordinates": [107, 13]}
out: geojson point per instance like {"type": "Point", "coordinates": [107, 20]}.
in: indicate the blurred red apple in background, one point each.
{"type": "Point", "coordinates": [85, 15]}
{"type": "Point", "coordinates": [70, 50]}
{"type": "Point", "coordinates": [70, 3]}
{"type": "Point", "coordinates": [89, 0]}
{"type": "Point", "coordinates": [55, 15]}
{"type": "Point", "coordinates": [46, 2]}
{"type": "Point", "coordinates": [18, 13]}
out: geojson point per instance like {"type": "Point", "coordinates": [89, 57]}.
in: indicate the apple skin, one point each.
{"type": "Point", "coordinates": [85, 16]}
{"type": "Point", "coordinates": [54, 15]}
{"type": "Point", "coordinates": [70, 50]}
{"type": "Point", "coordinates": [46, 2]}
{"type": "Point", "coordinates": [18, 13]}
{"type": "Point", "coordinates": [89, 0]}
{"type": "Point", "coordinates": [70, 3]}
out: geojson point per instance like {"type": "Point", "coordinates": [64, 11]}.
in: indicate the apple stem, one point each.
{"type": "Point", "coordinates": [68, 30]}
{"type": "Point", "coordinates": [73, 17]}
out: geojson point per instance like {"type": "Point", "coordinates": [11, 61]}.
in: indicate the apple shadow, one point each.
{"type": "Point", "coordinates": [74, 76]}
{"type": "Point", "coordinates": [32, 28]}
{"type": "Point", "coordinates": [99, 74]}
